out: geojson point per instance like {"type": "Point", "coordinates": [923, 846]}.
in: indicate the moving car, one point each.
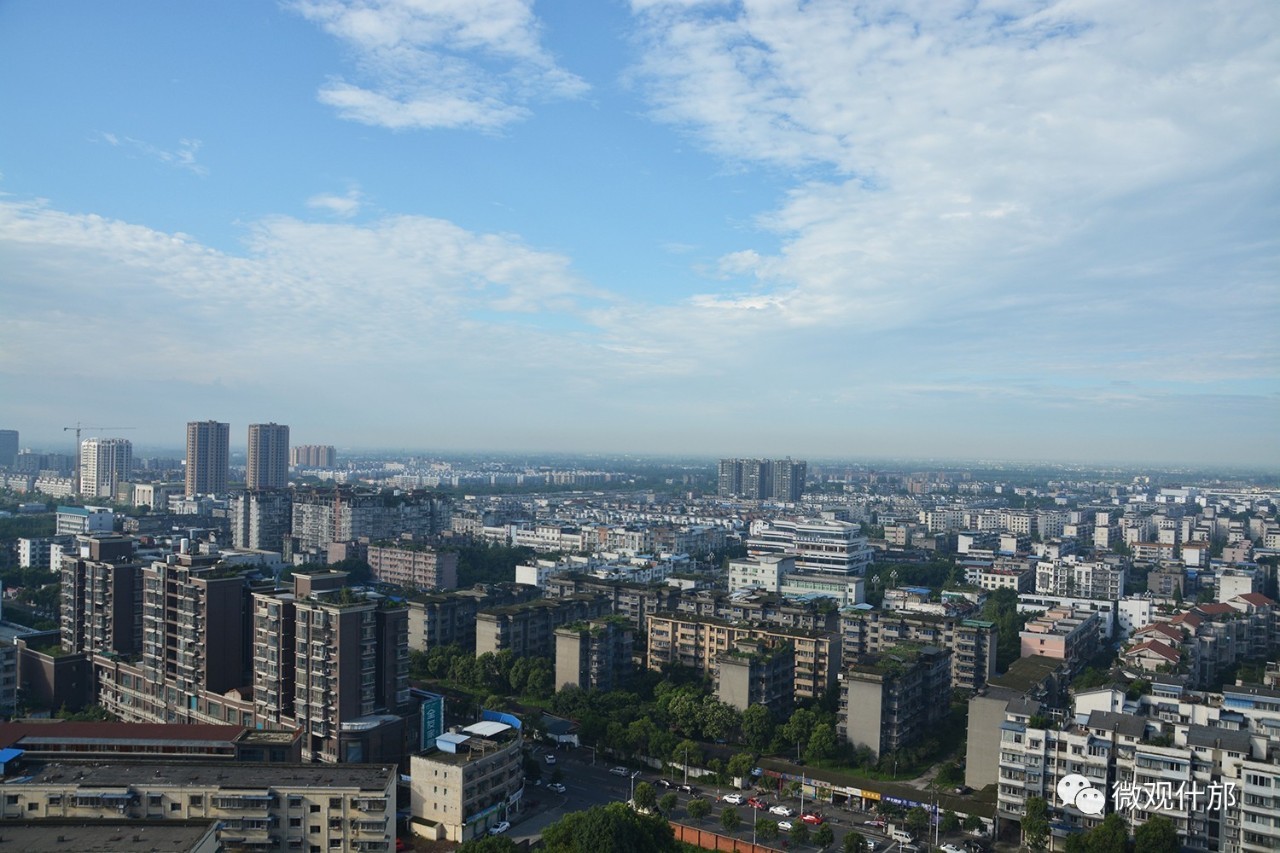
{"type": "Point", "coordinates": [950, 848]}
{"type": "Point", "coordinates": [688, 789]}
{"type": "Point", "coordinates": [551, 759]}
{"type": "Point", "coordinates": [756, 803]}
{"type": "Point", "coordinates": [877, 823]}
{"type": "Point", "coordinates": [813, 818]}
{"type": "Point", "coordinates": [619, 771]}
{"type": "Point", "coordinates": [785, 825]}
{"type": "Point", "coordinates": [499, 828]}
{"type": "Point", "coordinates": [557, 787]}
{"type": "Point", "coordinates": [735, 799]}
{"type": "Point", "coordinates": [665, 783]}
{"type": "Point", "coordinates": [785, 811]}
{"type": "Point", "coordinates": [901, 836]}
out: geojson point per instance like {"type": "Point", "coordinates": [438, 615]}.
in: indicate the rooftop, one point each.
{"type": "Point", "coordinates": [257, 777]}
{"type": "Point", "coordinates": [106, 836]}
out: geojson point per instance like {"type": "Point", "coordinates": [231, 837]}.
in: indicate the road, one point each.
{"type": "Point", "coordinates": [588, 785]}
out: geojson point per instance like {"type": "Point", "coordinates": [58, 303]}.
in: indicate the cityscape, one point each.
{"type": "Point", "coordinates": [285, 647]}
{"type": "Point", "coordinates": [640, 426]}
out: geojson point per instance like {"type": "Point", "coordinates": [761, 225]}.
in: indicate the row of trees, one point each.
{"type": "Point", "coordinates": [493, 673]}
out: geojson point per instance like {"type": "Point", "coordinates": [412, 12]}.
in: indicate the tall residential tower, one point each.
{"type": "Point", "coordinates": [104, 464]}
{"type": "Point", "coordinates": [268, 466]}
{"type": "Point", "coordinates": [208, 453]}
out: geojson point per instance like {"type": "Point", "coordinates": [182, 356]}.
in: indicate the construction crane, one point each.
{"type": "Point", "coordinates": [77, 428]}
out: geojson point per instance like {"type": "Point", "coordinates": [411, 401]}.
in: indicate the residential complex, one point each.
{"type": "Point", "coordinates": [762, 479]}
{"type": "Point", "coordinates": [892, 699]}
{"type": "Point", "coordinates": [596, 654]}
{"type": "Point", "coordinates": [972, 642]}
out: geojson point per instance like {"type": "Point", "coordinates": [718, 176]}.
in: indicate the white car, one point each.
{"type": "Point", "coordinates": [784, 825]}
{"type": "Point", "coordinates": [499, 828]}
{"type": "Point", "coordinates": [619, 771]}
{"type": "Point", "coordinates": [557, 787]}
{"type": "Point", "coordinates": [950, 848]}
{"type": "Point", "coordinates": [551, 759]}
{"type": "Point", "coordinates": [785, 811]}
{"type": "Point", "coordinates": [735, 799]}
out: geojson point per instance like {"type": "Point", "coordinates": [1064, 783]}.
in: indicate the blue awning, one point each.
{"type": "Point", "coordinates": [7, 755]}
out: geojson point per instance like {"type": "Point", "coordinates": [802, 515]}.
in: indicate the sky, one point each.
{"type": "Point", "coordinates": [999, 230]}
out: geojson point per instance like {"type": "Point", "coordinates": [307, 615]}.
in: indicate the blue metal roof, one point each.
{"type": "Point", "coordinates": [7, 755]}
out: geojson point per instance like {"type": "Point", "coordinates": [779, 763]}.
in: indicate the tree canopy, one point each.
{"type": "Point", "coordinates": [612, 827]}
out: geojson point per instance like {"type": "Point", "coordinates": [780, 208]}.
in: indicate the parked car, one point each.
{"type": "Point", "coordinates": [813, 818]}
{"type": "Point", "coordinates": [784, 811]}
{"type": "Point", "coordinates": [756, 803]}
{"type": "Point", "coordinates": [665, 783]}
{"type": "Point", "coordinates": [499, 828]}
{"type": "Point", "coordinates": [733, 799]}
{"type": "Point", "coordinates": [620, 771]}
{"type": "Point", "coordinates": [557, 787]}
{"type": "Point", "coordinates": [785, 825]}
{"type": "Point", "coordinates": [551, 759]}
{"type": "Point", "coordinates": [950, 848]}
{"type": "Point", "coordinates": [877, 823]}
{"type": "Point", "coordinates": [402, 845]}
{"type": "Point", "coordinates": [973, 845]}
{"type": "Point", "coordinates": [688, 789]}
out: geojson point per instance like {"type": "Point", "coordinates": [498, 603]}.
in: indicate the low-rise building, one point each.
{"type": "Point", "coordinates": [1072, 636]}
{"type": "Point", "coordinates": [467, 783]}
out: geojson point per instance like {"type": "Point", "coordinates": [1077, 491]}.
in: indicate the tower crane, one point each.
{"type": "Point", "coordinates": [77, 428]}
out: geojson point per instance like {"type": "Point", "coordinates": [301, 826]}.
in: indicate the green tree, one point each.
{"type": "Point", "coordinates": [854, 842]}
{"type": "Point", "coordinates": [950, 822]}
{"type": "Point", "coordinates": [1035, 824]}
{"type": "Point", "coordinates": [766, 830]}
{"type": "Point", "coordinates": [729, 818]}
{"type": "Point", "coordinates": [668, 802]}
{"type": "Point", "coordinates": [822, 743]}
{"type": "Point", "coordinates": [609, 827]}
{"type": "Point", "coordinates": [1157, 835]}
{"type": "Point", "coordinates": [972, 823]}
{"type": "Point", "coordinates": [645, 797]}
{"type": "Point", "coordinates": [531, 767]}
{"type": "Point", "coordinates": [799, 832]}
{"type": "Point", "coordinates": [1110, 836]}
{"type": "Point", "coordinates": [797, 729]}
{"type": "Point", "coordinates": [719, 720]}
{"type": "Point", "coordinates": [688, 753]}
{"type": "Point", "coordinates": [741, 764]}
{"type": "Point", "coordinates": [698, 808]}
{"type": "Point", "coordinates": [758, 727]}
{"type": "Point", "coordinates": [917, 821]}
{"type": "Point", "coordinates": [823, 836]}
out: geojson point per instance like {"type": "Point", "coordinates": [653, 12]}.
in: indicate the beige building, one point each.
{"type": "Point", "coordinates": [467, 783]}
{"type": "Point", "coordinates": [751, 673]}
{"type": "Point", "coordinates": [697, 641]}
{"type": "Point", "coordinates": [412, 566]}
{"type": "Point", "coordinates": [594, 655]}
{"type": "Point", "coordinates": [449, 618]}
{"type": "Point", "coordinates": [529, 629]}
{"type": "Point", "coordinates": [893, 699]}
{"type": "Point", "coordinates": [972, 642]}
{"type": "Point", "coordinates": [208, 457]}
{"type": "Point", "coordinates": [1065, 634]}
{"type": "Point", "coordinates": [303, 807]}
{"type": "Point", "coordinates": [268, 463]}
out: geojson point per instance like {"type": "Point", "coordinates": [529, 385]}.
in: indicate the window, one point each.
{"type": "Point", "coordinates": [315, 807]}
{"type": "Point", "coordinates": [31, 807]}
{"type": "Point", "coordinates": [196, 800]}
{"type": "Point", "coordinates": [335, 802]}
{"type": "Point", "coordinates": [175, 807]}
{"type": "Point", "coordinates": [315, 829]}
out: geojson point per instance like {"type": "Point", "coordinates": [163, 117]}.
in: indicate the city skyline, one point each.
{"type": "Point", "coordinates": [662, 228]}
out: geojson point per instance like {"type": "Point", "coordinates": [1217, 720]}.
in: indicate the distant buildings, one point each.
{"type": "Point", "coordinates": [312, 456]}
{"type": "Point", "coordinates": [268, 463]}
{"type": "Point", "coordinates": [413, 566]}
{"type": "Point", "coordinates": [208, 457]}
{"type": "Point", "coordinates": [762, 479]}
{"type": "Point", "coordinates": [820, 546]}
{"type": "Point", "coordinates": [8, 447]}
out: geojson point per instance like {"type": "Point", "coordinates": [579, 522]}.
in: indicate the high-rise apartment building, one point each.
{"type": "Point", "coordinates": [762, 479]}
{"type": "Point", "coordinates": [104, 464]}
{"type": "Point", "coordinates": [8, 447]}
{"type": "Point", "coordinates": [208, 457]}
{"type": "Point", "coordinates": [268, 466]}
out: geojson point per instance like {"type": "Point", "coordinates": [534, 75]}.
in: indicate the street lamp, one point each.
{"type": "Point", "coordinates": [686, 765]}
{"type": "Point", "coordinates": [632, 799]}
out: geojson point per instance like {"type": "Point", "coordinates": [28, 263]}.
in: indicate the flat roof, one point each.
{"type": "Point", "coordinates": [226, 776]}
{"type": "Point", "coordinates": [107, 836]}
{"type": "Point", "coordinates": [487, 728]}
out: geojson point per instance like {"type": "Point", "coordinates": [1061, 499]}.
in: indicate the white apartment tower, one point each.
{"type": "Point", "coordinates": [104, 464]}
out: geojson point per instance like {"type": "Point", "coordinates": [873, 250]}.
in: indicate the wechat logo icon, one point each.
{"type": "Point", "coordinates": [1076, 790]}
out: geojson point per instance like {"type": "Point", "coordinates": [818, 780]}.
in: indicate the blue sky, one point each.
{"type": "Point", "coordinates": [1042, 230]}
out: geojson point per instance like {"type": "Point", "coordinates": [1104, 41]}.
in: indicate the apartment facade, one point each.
{"type": "Point", "coordinates": [697, 641]}
{"type": "Point", "coordinates": [595, 654]}
{"type": "Point", "coordinates": [972, 642]}
{"type": "Point", "coordinates": [294, 807]}
{"type": "Point", "coordinates": [892, 699]}
{"type": "Point", "coordinates": [467, 784]}
{"type": "Point", "coordinates": [268, 461]}
{"type": "Point", "coordinates": [449, 618]}
{"type": "Point", "coordinates": [208, 458]}
{"type": "Point", "coordinates": [528, 629]}
{"type": "Point", "coordinates": [105, 463]}
{"type": "Point", "coordinates": [416, 567]}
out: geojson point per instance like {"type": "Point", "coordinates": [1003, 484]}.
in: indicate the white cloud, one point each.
{"type": "Point", "coordinates": [1059, 175]}
{"type": "Point", "coordinates": [344, 206]}
{"type": "Point", "coordinates": [181, 157]}
{"type": "Point", "coordinates": [473, 64]}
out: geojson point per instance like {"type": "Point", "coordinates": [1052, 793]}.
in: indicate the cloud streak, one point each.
{"type": "Point", "coordinates": [182, 157]}
{"type": "Point", "coordinates": [439, 64]}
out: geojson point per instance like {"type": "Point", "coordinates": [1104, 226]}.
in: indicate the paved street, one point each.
{"type": "Point", "coordinates": [588, 785]}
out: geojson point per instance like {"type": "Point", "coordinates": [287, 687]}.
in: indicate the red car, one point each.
{"type": "Point", "coordinates": [756, 803]}
{"type": "Point", "coordinates": [812, 817]}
